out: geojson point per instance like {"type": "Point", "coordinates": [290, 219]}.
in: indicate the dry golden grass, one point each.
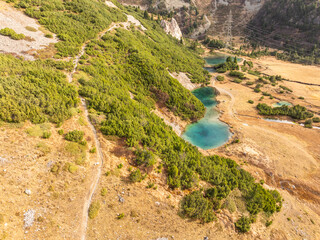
{"type": "Point", "coordinates": [58, 185]}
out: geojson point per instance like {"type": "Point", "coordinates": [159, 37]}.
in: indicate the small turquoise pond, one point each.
{"type": "Point", "coordinates": [209, 132]}
{"type": "Point", "coordinates": [282, 103]}
{"type": "Point", "coordinates": [216, 59]}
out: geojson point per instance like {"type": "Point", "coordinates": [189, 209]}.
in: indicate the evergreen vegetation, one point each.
{"type": "Point", "coordinates": [74, 136]}
{"type": "Point", "coordinates": [243, 224]}
{"type": "Point", "coordinates": [230, 64]}
{"type": "Point", "coordinates": [34, 91]}
{"type": "Point", "coordinates": [218, 44]}
{"type": "Point", "coordinates": [297, 112]}
{"type": "Point", "coordinates": [12, 34]}
{"type": "Point", "coordinates": [74, 22]}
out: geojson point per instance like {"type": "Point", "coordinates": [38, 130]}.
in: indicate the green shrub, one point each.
{"type": "Point", "coordinates": [48, 35]}
{"type": "Point", "coordinates": [120, 166]}
{"type": "Point", "coordinates": [255, 73]}
{"type": "Point", "coordinates": [46, 135]}
{"type": "Point", "coordinates": [257, 90]}
{"type": "Point", "coordinates": [71, 167]}
{"type": "Point", "coordinates": [135, 176]}
{"type": "Point", "coordinates": [55, 168]}
{"type": "Point", "coordinates": [220, 78]}
{"type": "Point", "coordinates": [94, 209]}
{"type": "Point", "coordinates": [196, 206]}
{"type": "Point", "coordinates": [237, 74]}
{"type": "Point", "coordinates": [144, 157]}
{"type": "Point", "coordinates": [316, 120]}
{"type": "Point", "coordinates": [74, 136]}
{"type": "Point", "coordinates": [104, 192]}
{"type": "Point", "coordinates": [120, 216]}
{"type": "Point", "coordinates": [150, 185]}
{"type": "Point", "coordinates": [268, 223]}
{"type": "Point", "coordinates": [12, 34]}
{"type": "Point", "coordinates": [251, 101]}
{"type": "Point", "coordinates": [230, 64]}
{"type": "Point", "coordinates": [60, 131]}
{"type": "Point", "coordinates": [308, 123]}
{"type": "Point", "coordinates": [249, 83]}
{"type": "Point", "coordinates": [237, 80]}
{"type": "Point", "coordinates": [243, 224]}
{"type": "Point", "coordinates": [93, 150]}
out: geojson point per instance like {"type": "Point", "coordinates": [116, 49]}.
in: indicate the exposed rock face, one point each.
{"type": "Point", "coordinates": [202, 28]}
{"type": "Point", "coordinates": [172, 28]}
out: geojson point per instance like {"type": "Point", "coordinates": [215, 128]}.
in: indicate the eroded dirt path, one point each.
{"type": "Point", "coordinates": [100, 159]}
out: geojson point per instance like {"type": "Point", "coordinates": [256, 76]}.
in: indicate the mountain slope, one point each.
{"type": "Point", "coordinates": [123, 76]}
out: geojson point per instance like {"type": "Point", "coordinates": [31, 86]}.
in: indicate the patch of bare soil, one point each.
{"type": "Point", "coordinates": [20, 23]}
{"type": "Point", "coordinates": [177, 124]}
{"type": "Point", "coordinates": [43, 181]}
{"type": "Point", "coordinates": [184, 80]}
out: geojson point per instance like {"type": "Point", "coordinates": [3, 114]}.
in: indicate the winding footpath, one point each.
{"type": "Point", "coordinates": [96, 176]}
{"type": "Point", "coordinates": [100, 159]}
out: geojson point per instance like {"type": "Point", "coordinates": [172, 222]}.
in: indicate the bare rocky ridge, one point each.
{"type": "Point", "coordinates": [172, 28]}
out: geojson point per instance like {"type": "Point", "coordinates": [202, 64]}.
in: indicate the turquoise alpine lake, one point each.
{"type": "Point", "coordinates": [209, 132]}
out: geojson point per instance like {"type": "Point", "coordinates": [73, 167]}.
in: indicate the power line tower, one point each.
{"type": "Point", "coordinates": [229, 30]}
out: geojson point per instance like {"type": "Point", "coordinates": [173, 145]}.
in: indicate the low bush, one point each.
{"type": "Point", "coordinates": [196, 206]}
{"type": "Point", "coordinates": [74, 136]}
{"type": "Point", "coordinates": [135, 176]}
{"type": "Point", "coordinates": [46, 135]}
{"type": "Point", "coordinates": [237, 74]}
{"type": "Point", "coordinates": [104, 192]}
{"type": "Point", "coordinates": [144, 157]}
{"type": "Point", "coordinates": [94, 209]}
{"type": "Point", "coordinates": [12, 34]}
{"type": "Point", "coordinates": [120, 216]}
{"type": "Point", "coordinates": [93, 150]}
{"type": "Point", "coordinates": [237, 80]}
{"type": "Point", "coordinates": [220, 78]}
{"type": "Point", "coordinates": [249, 83]}
{"type": "Point", "coordinates": [257, 90]}
{"type": "Point", "coordinates": [243, 224]}
{"type": "Point", "coordinates": [268, 223]}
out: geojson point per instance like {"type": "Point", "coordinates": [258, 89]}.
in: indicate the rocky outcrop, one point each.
{"type": "Point", "coordinates": [172, 28]}
{"type": "Point", "coordinates": [202, 28]}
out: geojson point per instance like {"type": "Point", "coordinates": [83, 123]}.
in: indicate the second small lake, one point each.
{"type": "Point", "coordinates": [216, 59]}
